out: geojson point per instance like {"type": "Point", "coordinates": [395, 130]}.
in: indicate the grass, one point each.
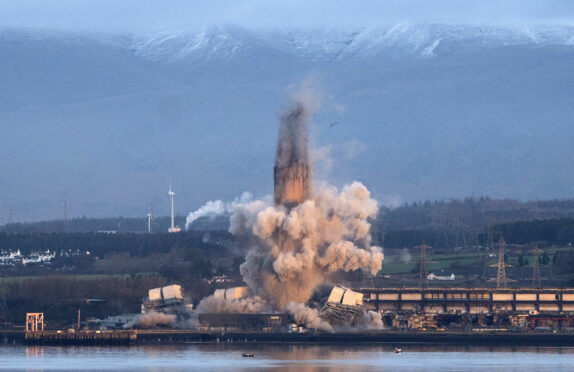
{"type": "Point", "coordinates": [449, 260]}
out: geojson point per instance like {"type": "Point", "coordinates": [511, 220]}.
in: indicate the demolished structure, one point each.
{"type": "Point", "coordinates": [162, 299]}
{"type": "Point", "coordinates": [343, 306]}
{"type": "Point", "coordinates": [235, 293]}
{"type": "Point", "coordinates": [291, 174]}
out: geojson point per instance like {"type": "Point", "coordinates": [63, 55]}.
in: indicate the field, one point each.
{"type": "Point", "coordinates": [479, 261]}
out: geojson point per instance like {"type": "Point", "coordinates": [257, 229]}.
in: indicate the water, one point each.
{"type": "Point", "coordinates": [286, 357]}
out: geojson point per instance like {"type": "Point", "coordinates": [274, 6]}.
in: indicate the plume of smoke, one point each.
{"type": "Point", "coordinates": [302, 246]}
{"type": "Point", "coordinates": [308, 316]}
{"type": "Point", "coordinates": [215, 208]}
{"type": "Point", "coordinates": [293, 139]}
{"type": "Point", "coordinates": [372, 320]}
{"type": "Point", "coordinates": [153, 319]}
{"type": "Point", "coordinates": [222, 305]}
{"type": "Point", "coordinates": [405, 256]}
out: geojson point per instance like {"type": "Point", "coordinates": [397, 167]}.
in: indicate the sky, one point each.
{"type": "Point", "coordinates": [153, 15]}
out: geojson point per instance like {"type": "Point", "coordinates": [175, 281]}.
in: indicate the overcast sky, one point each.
{"type": "Point", "coordinates": [151, 15]}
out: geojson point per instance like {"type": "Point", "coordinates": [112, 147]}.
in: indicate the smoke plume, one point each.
{"type": "Point", "coordinates": [310, 317]}
{"type": "Point", "coordinates": [222, 305]}
{"type": "Point", "coordinates": [372, 320]}
{"type": "Point", "coordinates": [292, 143]}
{"type": "Point", "coordinates": [215, 208]}
{"type": "Point", "coordinates": [405, 256]}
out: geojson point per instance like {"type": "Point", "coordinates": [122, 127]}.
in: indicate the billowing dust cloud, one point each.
{"type": "Point", "coordinates": [153, 319]}
{"type": "Point", "coordinates": [293, 142]}
{"type": "Point", "coordinates": [304, 236]}
{"type": "Point", "coordinates": [302, 244]}
{"type": "Point", "coordinates": [221, 305]}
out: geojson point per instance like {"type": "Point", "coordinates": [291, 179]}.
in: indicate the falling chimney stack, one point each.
{"type": "Point", "coordinates": [292, 171]}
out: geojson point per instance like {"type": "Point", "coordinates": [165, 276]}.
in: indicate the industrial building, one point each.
{"type": "Point", "coordinates": [226, 322]}
{"type": "Point", "coordinates": [472, 308]}
{"type": "Point", "coordinates": [471, 300]}
{"type": "Point", "coordinates": [161, 299]}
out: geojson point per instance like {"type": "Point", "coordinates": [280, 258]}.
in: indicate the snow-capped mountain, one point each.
{"type": "Point", "coordinates": [326, 45]}
{"type": "Point", "coordinates": [424, 111]}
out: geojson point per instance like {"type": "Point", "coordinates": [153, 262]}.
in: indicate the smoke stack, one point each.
{"type": "Point", "coordinates": [292, 171]}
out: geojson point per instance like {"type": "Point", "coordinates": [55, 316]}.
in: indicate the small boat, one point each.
{"type": "Point", "coordinates": [248, 355]}
{"type": "Point", "coordinates": [398, 350]}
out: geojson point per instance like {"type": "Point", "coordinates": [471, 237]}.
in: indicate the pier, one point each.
{"type": "Point", "coordinates": [81, 338]}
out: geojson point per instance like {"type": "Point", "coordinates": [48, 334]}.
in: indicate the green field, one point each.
{"type": "Point", "coordinates": [395, 264]}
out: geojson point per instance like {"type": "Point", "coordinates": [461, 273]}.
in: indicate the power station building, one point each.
{"type": "Point", "coordinates": [471, 300]}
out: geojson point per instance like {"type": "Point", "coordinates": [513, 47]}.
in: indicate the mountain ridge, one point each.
{"type": "Point", "coordinates": [424, 112]}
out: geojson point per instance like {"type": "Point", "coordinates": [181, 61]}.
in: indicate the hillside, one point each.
{"type": "Point", "coordinates": [423, 111]}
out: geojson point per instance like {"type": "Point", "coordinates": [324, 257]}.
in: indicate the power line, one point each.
{"type": "Point", "coordinates": [501, 276]}
{"type": "Point", "coordinates": [423, 275]}
{"type": "Point", "coordinates": [536, 269]}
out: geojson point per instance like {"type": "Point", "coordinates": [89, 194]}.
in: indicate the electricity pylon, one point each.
{"type": "Point", "coordinates": [536, 269]}
{"type": "Point", "coordinates": [501, 276]}
{"type": "Point", "coordinates": [423, 275]}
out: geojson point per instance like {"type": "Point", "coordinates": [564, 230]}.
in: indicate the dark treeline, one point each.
{"type": "Point", "coordinates": [120, 269]}
{"type": "Point", "coordinates": [102, 244]}
{"type": "Point", "coordinates": [547, 232]}
{"type": "Point", "coordinates": [60, 298]}
{"type": "Point", "coordinates": [462, 223]}
{"type": "Point", "coordinates": [555, 231]}
{"type": "Point", "coordinates": [119, 225]}
{"type": "Point", "coordinates": [186, 258]}
{"type": "Point", "coordinates": [475, 212]}
{"type": "Point", "coordinates": [86, 225]}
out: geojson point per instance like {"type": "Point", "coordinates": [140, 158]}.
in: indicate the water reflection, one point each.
{"type": "Point", "coordinates": [288, 357]}
{"type": "Point", "coordinates": [34, 351]}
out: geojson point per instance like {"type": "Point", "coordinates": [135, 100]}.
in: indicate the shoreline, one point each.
{"type": "Point", "coordinates": [166, 337]}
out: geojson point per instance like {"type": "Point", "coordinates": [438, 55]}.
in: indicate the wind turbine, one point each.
{"type": "Point", "coordinates": [149, 223]}
{"type": "Point", "coordinates": [171, 194]}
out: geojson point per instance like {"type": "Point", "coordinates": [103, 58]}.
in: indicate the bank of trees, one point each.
{"type": "Point", "coordinates": [475, 221]}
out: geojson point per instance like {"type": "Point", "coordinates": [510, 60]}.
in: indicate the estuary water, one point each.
{"type": "Point", "coordinates": [286, 357]}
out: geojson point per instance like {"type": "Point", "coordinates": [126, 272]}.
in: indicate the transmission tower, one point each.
{"type": "Point", "coordinates": [423, 275]}
{"type": "Point", "coordinates": [536, 269]}
{"type": "Point", "coordinates": [501, 277]}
